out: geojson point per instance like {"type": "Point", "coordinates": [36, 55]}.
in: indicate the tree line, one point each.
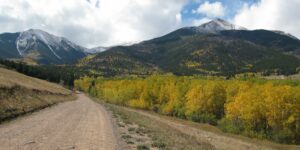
{"type": "Point", "coordinates": [268, 109]}
{"type": "Point", "coordinates": [64, 75]}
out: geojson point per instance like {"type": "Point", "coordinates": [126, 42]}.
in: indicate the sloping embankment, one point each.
{"type": "Point", "coordinates": [20, 94]}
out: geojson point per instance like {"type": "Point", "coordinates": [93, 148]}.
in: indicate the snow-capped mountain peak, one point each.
{"type": "Point", "coordinates": [29, 39]}
{"type": "Point", "coordinates": [218, 25]}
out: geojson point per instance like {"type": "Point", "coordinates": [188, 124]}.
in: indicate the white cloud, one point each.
{"type": "Point", "coordinates": [215, 9]}
{"type": "Point", "coordinates": [93, 22]}
{"type": "Point", "coordinates": [272, 15]}
{"type": "Point", "coordinates": [178, 18]}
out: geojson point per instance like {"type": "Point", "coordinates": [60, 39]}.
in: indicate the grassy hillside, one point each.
{"type": "Point", "coordinates": [20, 94]}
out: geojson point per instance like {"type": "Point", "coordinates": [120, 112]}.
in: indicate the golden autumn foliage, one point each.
{"type": "Point", "coordinates": [255, 107]}
{"type": "Point", "coordinates": [206, 98]}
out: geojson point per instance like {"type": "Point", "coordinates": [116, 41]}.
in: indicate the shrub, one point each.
{"type": "Point", "coordinates": [231, 126]}
{"type": "Point", "coordinates": [284, 136]}
{"type": "Point", "coordinates": [203, 118]}
{"type": "Point", "coordinates": [143, 147]}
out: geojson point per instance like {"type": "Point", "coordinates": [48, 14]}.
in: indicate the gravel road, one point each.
{"type": "Point", "coordinates": [81, 124]}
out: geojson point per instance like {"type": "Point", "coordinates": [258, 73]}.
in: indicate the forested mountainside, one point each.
{"type": "Point", "coordinates": [214, 48]}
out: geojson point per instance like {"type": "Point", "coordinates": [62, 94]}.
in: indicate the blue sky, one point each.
{"type": "Point", "coordinates": [92, 23]}
{"type": "Point", "coordinates": [231, 7]}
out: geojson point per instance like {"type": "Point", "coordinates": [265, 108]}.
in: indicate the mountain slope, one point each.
{"type": "Point", "coordinates": [276, 40]}
{"type": "Point", "coordinates": [21, 94]}
{"type": "Point", "coordinates": [96, 50]}
{"type": "Point", "coordinates": [217, 48]}
{"type": "Point", "coordinates": [39, 46]}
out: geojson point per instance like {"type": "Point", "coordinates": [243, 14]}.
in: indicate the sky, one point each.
{"type": "Point", "coordinates": [93, 23]}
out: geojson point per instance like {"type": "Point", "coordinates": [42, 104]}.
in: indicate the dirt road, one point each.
{"type": "Point", "coordinates": [81, 124]}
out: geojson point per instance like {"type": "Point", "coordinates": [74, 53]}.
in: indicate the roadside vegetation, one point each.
{"type": "Point", "coordinates": [264, 109]}
{"type": "Point", "coordinates": [143, 133]}
{"type": "Point", "coordinates": [20, 94]}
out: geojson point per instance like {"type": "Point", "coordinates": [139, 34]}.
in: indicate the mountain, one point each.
{"type": "Point", "coordinates": [215, 26]}
{"type": "Point", "coordinates": [280, 41]}
{"type": "Point", "coordinates": [96, 50]}
{"type": "Point", "coordinates": [102, 48]}
{"type": "Point", "coordinates": [216, 48]}
{"type": "Point", "coordinates": [39, 46]}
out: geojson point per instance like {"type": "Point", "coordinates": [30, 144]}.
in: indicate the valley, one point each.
{"type": "Point", "coordinates": [213, 86]}
{"type": "Point", "coordinates": [216, 48]}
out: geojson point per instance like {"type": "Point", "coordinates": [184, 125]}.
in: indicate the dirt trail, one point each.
{"type": "Point", "coordinates": [220, 142]}
{"type": "Point", "coordinates": [80, 124]}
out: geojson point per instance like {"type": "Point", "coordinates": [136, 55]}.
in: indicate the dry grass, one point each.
{"type": "Point", "coordinates": [20, 94]}
{"type": "Point", "coordinates": [10, 79]}
{"type": "Point", "coordinates": [161, 135]}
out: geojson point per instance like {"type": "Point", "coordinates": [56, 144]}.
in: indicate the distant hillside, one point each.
{"type": "Point", "coordinates": [20, 94]}
{"type": "Point", "coordinates": [214, 48]}
{"type": "Point", "coordinates": [40, 47]}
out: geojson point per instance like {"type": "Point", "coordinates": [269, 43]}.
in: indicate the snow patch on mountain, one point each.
{"type": "Point", "coordinates": [53, 52]}
{"type": "Point", "coordinates": [21, 43]}
{"type": "Point", "coordinates": [215, 26]}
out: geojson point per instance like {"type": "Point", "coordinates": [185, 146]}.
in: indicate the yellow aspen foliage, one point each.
{"type": "Point", "coordinates": [247, 105]}
{"type": "Point", "coordinates": [83, 84]}
{"type": "Point", "coordinates": [172, 98]}
{"type": "Point", "coordinates": [207, 98]}
{"type": "Point", "coordinates": [282, 106]}
{"type": "Point", "coordinates": [255, 107]}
